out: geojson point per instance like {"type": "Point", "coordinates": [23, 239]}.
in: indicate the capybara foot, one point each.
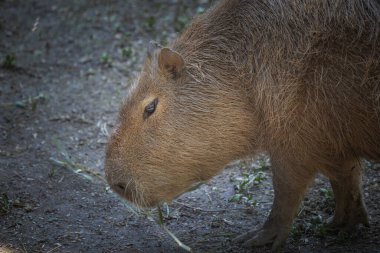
{"type": "Point", "coordinates": [267, 235]}
{"type": "Point", "coordinates": [350, 210]}
{"type": "Point", "coordinates": [349, 219]}
{"type": "Point", "coordinates": [347, 225]}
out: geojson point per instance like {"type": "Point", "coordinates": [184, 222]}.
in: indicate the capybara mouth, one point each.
{"type": "Point", "coordinates": [129, 193]}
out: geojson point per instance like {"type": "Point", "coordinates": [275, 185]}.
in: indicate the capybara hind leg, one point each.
{"type": "Point", "coordinates": [350, 209]}
{"type": "Point", "coordinates": [290, 183]}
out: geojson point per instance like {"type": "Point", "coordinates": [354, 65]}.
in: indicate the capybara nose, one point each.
{"type": "Point", "coordinates": [122, 190]}
{"type": "Point", "coordinates": [121, 186]}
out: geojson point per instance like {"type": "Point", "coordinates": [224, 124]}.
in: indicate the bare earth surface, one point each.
{"type": "Point", "coordinates": [66, 66]}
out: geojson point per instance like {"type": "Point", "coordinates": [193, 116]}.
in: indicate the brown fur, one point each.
{"type": "Point", "coordinates": [296, 79]}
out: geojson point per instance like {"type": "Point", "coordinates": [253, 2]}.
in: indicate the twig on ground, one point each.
{"type": "Point", "coordinates": [210, 210]}
{"type": "Point", "coordinates": [162, 225]}
{"type": "Point", "coordinates": [67, 162]}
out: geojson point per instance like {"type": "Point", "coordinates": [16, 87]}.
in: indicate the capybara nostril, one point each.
{"type": "Point", "coordinates": [121, 186]}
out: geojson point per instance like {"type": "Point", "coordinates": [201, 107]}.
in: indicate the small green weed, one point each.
{"type": "Point", "coordinates": [105, 60]}
{"type": "Point", "coordinates": [245, 199]}
{"type": "Point", "coordinates": [327, 193]}
{"type": "Point", "coordinates": [150, 23]}
{"type": "Point", "coordinates": [126, 52]}
{"type": "Point", "coordinates": [5, 204]}
{"type": "Point", "coordinates": [244, 185]}
{"type": "Point", "coordinates": [249, 179]}
{"type": "Point", "coordinates": [9, 61]}
{"type": "Point", "coordinates": [52, 172]}
{"type": "Point", "coordinates": [252, 176]}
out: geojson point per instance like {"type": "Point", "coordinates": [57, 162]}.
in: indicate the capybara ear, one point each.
{"type": "Point", "coordinates": [170, 61]}
{"type": "Point", "coordinates": [153, 46]}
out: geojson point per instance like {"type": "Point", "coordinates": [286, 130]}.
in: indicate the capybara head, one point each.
{"type": "Point", "coordinates": [174, 130]}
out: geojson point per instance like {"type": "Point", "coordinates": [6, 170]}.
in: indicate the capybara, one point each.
{"type": "Point", "coordinates": [298, 80]}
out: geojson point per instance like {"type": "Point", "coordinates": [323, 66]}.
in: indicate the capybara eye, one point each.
{"type": "Point", "coordinates": [150, 108]}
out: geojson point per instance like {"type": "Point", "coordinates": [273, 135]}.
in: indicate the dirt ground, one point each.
{"type": "Point", "coordinates": [65, 68]}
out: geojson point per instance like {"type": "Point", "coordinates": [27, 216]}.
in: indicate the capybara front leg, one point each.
{"type": "Point", "coordinates": [350, 210]}
{"type": "Point", "coordinates": [290, 183]}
